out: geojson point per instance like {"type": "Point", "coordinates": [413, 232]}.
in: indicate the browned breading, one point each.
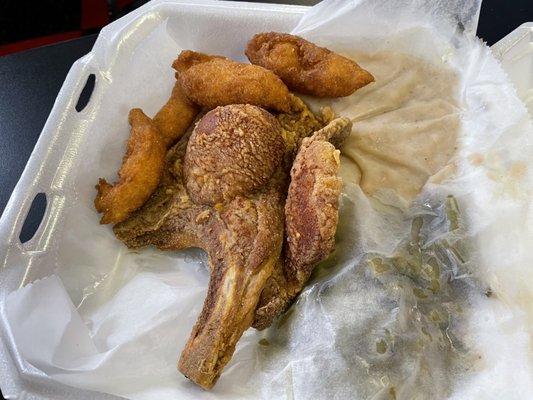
{"type": "Point", "coordinates": [242, 236]}
{"type": "Point", "coordinates": [241, 264]}
{"type": "Point", "coordinates": [311, 210]}
{"type": "Point", "coordinates": [143, 162]}
{"type": "Point", "coordinates": [311, 217]}
{"type": "Point", "coordinates": [212, 81]}
{"type": "Point", "coordinates": [139, 174]}
{"type": "Point", "coordinates": [243, 239]}
{"type": "Point", "coordinates": [234, 150]}
{"type": "Point", "coordinates": [275, 297]}
{"type": "Point", "coordinates": [305, 67]}
{"type": "Point", "coordinates": [175, 116]}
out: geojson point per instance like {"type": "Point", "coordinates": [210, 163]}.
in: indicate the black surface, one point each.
{"type": "Point", "coordinates": [499, 17]}
{"type": "Point", "coordinates": [86, 92]}
{"type": "Point", "coordinates": [33, 218]}
{"type": "Point", "coordinates": [37, 18]}
{"type": "Point", "coordinates": [30, 81]}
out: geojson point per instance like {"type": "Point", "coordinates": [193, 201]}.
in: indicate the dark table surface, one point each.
{"type": "Point", "coordinates": [30, 82]}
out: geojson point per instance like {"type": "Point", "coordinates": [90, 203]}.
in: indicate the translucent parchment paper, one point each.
{"type": "Point", "coordinates": [429, 291]}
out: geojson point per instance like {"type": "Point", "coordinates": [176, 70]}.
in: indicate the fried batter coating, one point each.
{"type": "Point", "coordinates": [175, 116]}
{"type": "Point", "coordinates": [234, 150]}
{"type": "Point", "coordinates": [305, 67]}
{"type": "Point", "coordinates": [139, 174]}
{"type": "Point", "coordinates": [212, 81]}
{"type": "Point", "coordinates": [311, 210]}
{"type": "Point", "coordinates": [243, 237]}
{"type": "Point", "coordinates": [311, 217]}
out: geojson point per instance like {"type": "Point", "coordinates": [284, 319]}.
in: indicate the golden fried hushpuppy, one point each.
{"type": "Point", "coordinates": [212, 81]}
{"type": "Point", "coordinates": [305, 67]}
{"type": "Point", "coordinates": [175, 117]}
{"type": "Point", "coordinates": [139, 174]}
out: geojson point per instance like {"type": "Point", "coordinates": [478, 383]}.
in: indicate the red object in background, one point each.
{"type": "Point", "coordinates": [94, 14]}
{"type": "Point", "coordinates": [37, 42]}
{"type": "Point", "coordinates": [120, 4]}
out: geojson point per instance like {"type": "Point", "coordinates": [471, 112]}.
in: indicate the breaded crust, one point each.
{"type": "Point", "coordinates": [139, 174]}
{"type": "Point", "coordinates": [212, 81]}
{"type": "Point", "coordinates": [311, 211]}
{"type": "Point", "coordinates": [306, 67]}
{"type": "Point", "coordinates": [175, 116]}
{"type": "Point", "coordinates": [234, 150]}
{"type": "Point", "coordinates": [311, 217]}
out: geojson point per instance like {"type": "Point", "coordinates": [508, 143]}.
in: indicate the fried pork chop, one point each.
{"type": "Point", "coordinates": [242, 227]}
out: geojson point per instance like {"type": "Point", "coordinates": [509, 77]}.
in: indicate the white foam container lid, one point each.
{"type": "Point", "coordinates": [61, 141]}
{"type": "Point", "coordinates": [515, 51]}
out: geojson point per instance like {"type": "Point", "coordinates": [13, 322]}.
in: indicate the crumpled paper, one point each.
{"type": "Point", "coordinates": [366, 326]}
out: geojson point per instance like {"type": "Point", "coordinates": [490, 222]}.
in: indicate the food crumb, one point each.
{"type": "Point", "coordinates": [381, 346]}
{"type": "Point", "coordinates": [476, 159]}
{"type": "Point", "coordinates": [518, 170]}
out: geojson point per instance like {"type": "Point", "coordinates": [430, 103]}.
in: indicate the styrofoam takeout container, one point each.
{"type": "Point", "coordinates": [62, 143]}
{"type": "Point", "coordinates": [515, 51]}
